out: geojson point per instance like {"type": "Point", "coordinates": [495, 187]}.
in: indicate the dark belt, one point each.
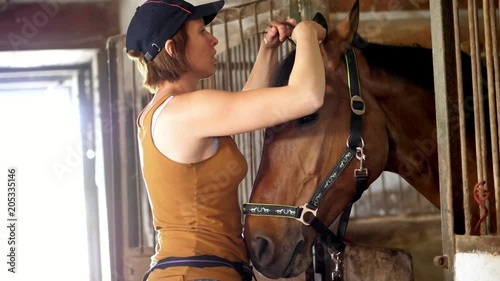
{"type": "Point", "coordinates": [243, 269]}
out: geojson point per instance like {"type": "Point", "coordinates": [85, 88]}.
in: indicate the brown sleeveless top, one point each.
{"type": "Point", "coordinates": [195, 206]}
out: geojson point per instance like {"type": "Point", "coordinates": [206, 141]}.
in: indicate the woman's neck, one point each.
{"type": "Point", "coordinates": [181, 86]}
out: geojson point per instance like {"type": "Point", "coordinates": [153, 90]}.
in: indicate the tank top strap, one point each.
{"type": "Point", "coordinates": [147, 119]}
{"type": "Point", "coordinates": [157, 111]}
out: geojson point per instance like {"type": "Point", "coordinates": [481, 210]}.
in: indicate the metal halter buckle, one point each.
{"type": "Point", "coordinates": [357, 111]}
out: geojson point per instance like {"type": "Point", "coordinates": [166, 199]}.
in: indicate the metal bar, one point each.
{"type": "Point", "coordinates": [271, 10]}
{"type": "Point", "coordinates": [220, 78]}
{"type": "Point", "coordinates": [241, 67]}
{"type": "Point", "coordinates": [481, 97]}
{"type": "Point", "coordinates": [246, 4]}
{"type": "Point", "coordinates": [491, 97]}
{"type": "Point", "coordinates": [294, 11]}
{"type": "Point", "coordinates": [232, 71]}
{"type": "Point", "coordinates": [498, 93]}
{"type": "Point", "coordinates": [236, 66]}
{"type": "Point", "coordinates": [243, 49]}
{"type": "Point", "coordinates": [419, 200]}
{"type": "Point", "coordinates": [257, 30]}
{"type": "Point", "coordinates": [137, 161]}
{"type": "Point", "coordinates": [443, 41]}
{"type": "Point", "coordinates": [306, 10]}
{"type": "Point", "coordinates": [114, 194]}
{"type": "Point", "coordinates": [384, 193]}
{"type": "Point", "coordinates": [494, 113]}
{"type": "Point", "coordinates": [477, 94]}
{"type": "Point", "coordinates": [210, 83]}
{"type": "Point", "coordinates": [401, 196]}
{"type": "Point", "coordinates": [473, 52]}
{"type": "Point", "coordinates": [229, 81]}
{"type": "Point", "coordinates": [461, 117]}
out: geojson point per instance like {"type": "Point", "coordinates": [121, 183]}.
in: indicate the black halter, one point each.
{"type": "Point", "coordinates": [307, 213]}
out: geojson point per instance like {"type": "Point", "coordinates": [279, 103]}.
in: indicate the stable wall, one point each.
{"type": "Point", "coordinates": [57, 25]}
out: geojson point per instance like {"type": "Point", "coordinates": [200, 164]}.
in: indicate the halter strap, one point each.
{"type": "Point", "coordinates": [357, 103]}
{"type": "Point", "coordinates": [307, 213]}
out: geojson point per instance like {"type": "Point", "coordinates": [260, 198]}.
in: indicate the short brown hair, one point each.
{"type": "Point", "coordinates": [163, 66]}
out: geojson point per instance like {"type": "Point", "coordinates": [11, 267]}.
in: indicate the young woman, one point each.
{"type": "Point", "coordinates": [190, 163]}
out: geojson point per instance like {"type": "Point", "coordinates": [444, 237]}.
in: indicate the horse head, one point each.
{"type": "Point", "coordinates": [298, 155]}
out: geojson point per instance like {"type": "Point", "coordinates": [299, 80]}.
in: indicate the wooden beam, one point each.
{"type": "Point", "coordinates": [387, 5]}
{"type": "Point", "coordinates": [50, 25]}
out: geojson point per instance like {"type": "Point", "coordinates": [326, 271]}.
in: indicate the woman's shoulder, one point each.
{"type": "Point", "coordinates": [152, 107]}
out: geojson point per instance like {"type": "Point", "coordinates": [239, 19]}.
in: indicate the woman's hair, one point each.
{"type": "Point", "coordinates": [163, 66]}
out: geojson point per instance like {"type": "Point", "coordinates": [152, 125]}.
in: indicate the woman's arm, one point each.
{"type": "Point", "coordinates": [207, 113]}
{"type": "Point", "coordinates": [267, 58]}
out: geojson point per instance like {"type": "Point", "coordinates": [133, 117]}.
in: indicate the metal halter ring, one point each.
{"type": "Point", "coordinates": [305, 210]}
{"type": "Point", "coordinates": [362, 142]}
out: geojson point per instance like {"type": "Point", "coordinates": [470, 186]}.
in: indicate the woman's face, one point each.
{"type": "Point", "coordinates": [200, 49]}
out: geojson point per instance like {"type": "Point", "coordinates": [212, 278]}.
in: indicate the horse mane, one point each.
{"type": "Point", "coordinates": [284, 70]}
{"type": "Point", "coordinates": [412, 63]}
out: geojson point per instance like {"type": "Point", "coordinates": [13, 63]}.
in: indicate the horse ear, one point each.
{"type": "Point", "coordinates": [320, 19]}
{"type": "Point", "coordinates": [348, 27]}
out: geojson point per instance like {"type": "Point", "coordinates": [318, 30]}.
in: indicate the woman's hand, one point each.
{"type": "Point", "coordinates": [278, 31]}
{"type": "Point", "coordinates": [308, 28]}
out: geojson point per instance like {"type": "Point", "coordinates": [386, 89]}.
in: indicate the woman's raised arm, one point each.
{"type": "Point", "coordinates": [217, 113]}
{"type": "Point", "coordinates": [267, 58]}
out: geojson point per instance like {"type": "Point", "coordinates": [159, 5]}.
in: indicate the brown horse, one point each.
{"type": "Point", "coordinates": [399, 133]}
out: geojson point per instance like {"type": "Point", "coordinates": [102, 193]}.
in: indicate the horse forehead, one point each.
{"type": "Point", "coordinates": [304, 152]}
{"type": "Point", "coordinates": [331, 63]}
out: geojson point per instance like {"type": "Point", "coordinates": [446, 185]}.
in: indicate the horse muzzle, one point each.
{"type": "Point", "coordinates": [275, 256]}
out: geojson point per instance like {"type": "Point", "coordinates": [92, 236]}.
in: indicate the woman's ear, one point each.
{"type": "Point", "coordinates": [169, 47]}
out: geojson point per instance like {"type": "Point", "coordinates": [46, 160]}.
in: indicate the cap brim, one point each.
{"type": "Point", "coordinates": [207, 11]}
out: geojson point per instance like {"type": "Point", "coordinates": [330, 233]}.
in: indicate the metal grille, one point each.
{"type": "Point", "coordinates": [481, 42]}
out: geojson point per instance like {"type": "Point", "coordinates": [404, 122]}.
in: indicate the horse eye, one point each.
{"type": "Point", "coordinates": [307, 119]}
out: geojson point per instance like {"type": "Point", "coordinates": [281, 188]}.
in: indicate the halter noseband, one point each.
{"type": "Point", "coordinates": [355, 144]}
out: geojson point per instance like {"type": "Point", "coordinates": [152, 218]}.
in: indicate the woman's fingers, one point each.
{"type": "Point", "coordinates": [278, 31]}
{"type": "Point", "coordinates": [282, 30]}
{"type": "Point", "coordinates": [307, 27]}
{"type": "Point", "coordinates": [272, 31]}
{"type": "Point", "coordinates": [292, 21]}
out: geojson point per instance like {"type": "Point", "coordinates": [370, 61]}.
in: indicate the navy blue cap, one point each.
{"type": "Point", "coordinates": [156, 21]}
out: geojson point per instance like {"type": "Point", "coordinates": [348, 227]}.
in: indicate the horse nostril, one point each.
{"type": "Point", "coordinates": [263, 249]}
